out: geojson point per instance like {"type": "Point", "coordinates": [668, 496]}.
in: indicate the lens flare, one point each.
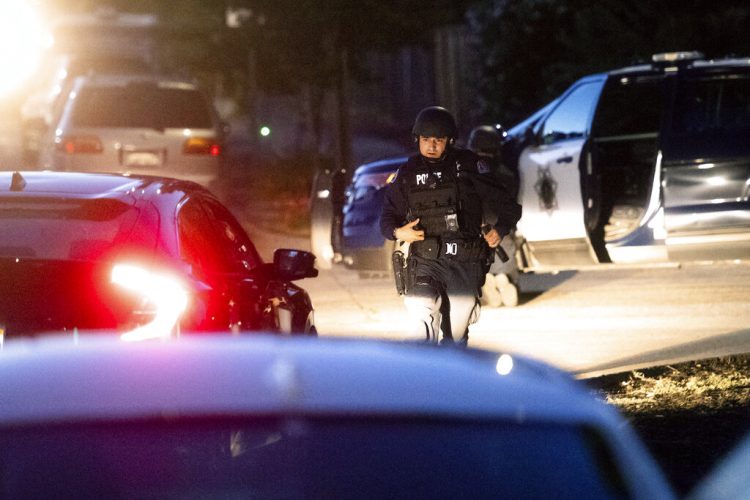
{"type": "Point", "coordinates": [504, 364]}
{"type": "Point", "coordinates": [167, 295]}
{"type": "Point", "coordinates": [23, 39]}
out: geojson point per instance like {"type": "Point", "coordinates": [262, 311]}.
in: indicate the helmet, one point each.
{"type": "Point", "coordinates": [485, 140]}
{"type": "Point", "coordinates": [435, 121]}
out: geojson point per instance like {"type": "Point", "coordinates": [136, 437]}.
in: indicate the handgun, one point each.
{"type": "Point", "coordinates": [499, 250]}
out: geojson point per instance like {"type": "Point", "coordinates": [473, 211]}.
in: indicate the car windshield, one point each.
{"type": "Point", "coordinates": [307, 458]}
{"type": "Point", "coordinates": [62, 230]}
{"type": "Point", "coordinates": [141, 106]}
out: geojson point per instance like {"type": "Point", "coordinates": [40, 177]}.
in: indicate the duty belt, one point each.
{"type": "Point", "coordinates": [453, 249]}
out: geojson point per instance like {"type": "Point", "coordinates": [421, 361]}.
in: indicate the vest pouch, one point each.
{"type": "Point", "coordinates": [436, 208]}
{"type": "Point", "coordinates": [429, 248]}
{"type": "Point", "coordinates": [435, 222]}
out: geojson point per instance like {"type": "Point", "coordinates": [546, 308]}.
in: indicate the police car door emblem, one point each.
{"type": "Point", "coordinates": [483, 167]}
{"type": "Point", "coordinates": [546, 189]}
{"type": "Point", "coordinates": [451, 249]}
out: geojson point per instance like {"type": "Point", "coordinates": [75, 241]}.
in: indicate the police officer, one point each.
{"type": "Point", "coordinates": [500, 282]}
{"type": "Point", "coordinates": [487, 142]}
{"type": "Point", "coordinates": [436, 204]}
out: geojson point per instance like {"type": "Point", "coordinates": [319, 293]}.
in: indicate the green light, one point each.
{"type": "Point", "coordinates": [265, 131]}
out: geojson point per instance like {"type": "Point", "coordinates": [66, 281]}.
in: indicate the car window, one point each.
{"type": "Point", "coordinates": [571, 117]}
{"type": "Point", "coordinates": [368, 182]}
{"type": "Point", "coordinates": [710, 117]}
{"type": "Point", "coordinates": [520, 128]}
{"type": "Point", "coordinates": [141, 106]}
{"type": "Point", "coordinates": [309, 458]}
{"type": "Point", "coordinates": [712, 104]}
{"type": "Point", "coordinates": [63, 230]}
{"type": "Point", "coordinates": [212, 240]}
{"type": "Point", "coordinates": [198, 247]}
{"type": "Point", "coordinates": [630, 107]}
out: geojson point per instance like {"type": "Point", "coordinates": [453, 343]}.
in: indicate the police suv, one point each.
{"type": "Point", "coordinates": [642, 164]}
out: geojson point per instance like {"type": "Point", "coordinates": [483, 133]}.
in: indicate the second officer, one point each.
{"type": "Point", "coordinates": [436, 204]}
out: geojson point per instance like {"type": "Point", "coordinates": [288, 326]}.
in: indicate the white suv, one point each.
{"type": "Point", "coordinates": [647, 163]}
{"type": "Point", "coordinates": [137, 124]}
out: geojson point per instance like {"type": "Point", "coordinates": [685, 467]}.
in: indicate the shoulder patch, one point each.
{"type": "Point", "coordinates": [483, 167]}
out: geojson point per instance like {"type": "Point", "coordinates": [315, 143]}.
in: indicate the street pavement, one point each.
{"type": "Point", "coordinates": [589, 322]}
{"type": "Point", "coordinates": [345, 304]}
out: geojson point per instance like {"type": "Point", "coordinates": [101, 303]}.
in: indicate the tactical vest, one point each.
{"type": "Point", "coordinates": [448, 210]}
{"type": "Point", "coordinates": [433, 200]}
{"type": "Point", "coordinates": [439, 202]}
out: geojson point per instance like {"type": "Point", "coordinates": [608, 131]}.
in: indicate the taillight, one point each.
{"type": "Point", "coordinates": [201, 146]}
{"type": "Point", "coordinates": [163, 300]}
{"type": "Point", "coordinates": [75, 144]}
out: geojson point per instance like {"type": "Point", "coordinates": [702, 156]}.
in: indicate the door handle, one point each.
{"type": "Point", "coordinates": [565, 159]}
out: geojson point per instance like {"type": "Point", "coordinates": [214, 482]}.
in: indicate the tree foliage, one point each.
{"type": "Point", "coordinates": [294, 39]}
{"type": "Point", "coordinates": [531, 50]}
{"type": "Point", "coordinates": [528, 51]}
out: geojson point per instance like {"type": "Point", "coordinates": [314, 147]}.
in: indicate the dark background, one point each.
{"type": "Point", "coordinates": [526, 51]}
{"type": "Point", "coordinates": [326, 73]}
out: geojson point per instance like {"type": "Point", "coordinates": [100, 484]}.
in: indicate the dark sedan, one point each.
{"type": "Point", "coordinates": [143, 256]}
{"type": "Point", "coordinates": [260, 417]}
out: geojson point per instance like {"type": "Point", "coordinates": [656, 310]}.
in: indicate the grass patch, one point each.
{"type": "Point", "coordinates": [689, 415]}
{"type": "Point", "coordinates": [701, 386]}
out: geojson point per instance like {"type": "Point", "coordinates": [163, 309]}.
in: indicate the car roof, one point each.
{"type": "Point", "coordinates": [384, 165]}
{"type": "Point", "coordinates": [697, 63]}
{"type": "Point", "coordinates": [112, 80]}
{"type": "Point", "coordinates": [53, 379]}
{"type": "Point", "coordinates": [86, 185]}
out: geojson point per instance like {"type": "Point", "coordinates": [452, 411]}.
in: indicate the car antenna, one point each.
{"type": "Point", "coordinates": [17, 183]}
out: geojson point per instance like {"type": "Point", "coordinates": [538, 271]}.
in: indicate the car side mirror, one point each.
{"type": "Point", "coordinates": [290, 264]}
{"type": "Point", "coordinates": [531, 138]}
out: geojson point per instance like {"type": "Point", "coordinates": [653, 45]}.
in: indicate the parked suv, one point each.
{"type": "Point", "coordinates": [138, 124]}
{"type": "Point", "coordinates": [641, 164]}
{"type": "Point", "coordinates": [362, 245]}
{"type": "Point", "coordinates": [41, 109]}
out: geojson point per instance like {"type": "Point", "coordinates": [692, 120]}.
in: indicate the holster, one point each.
{"type": "Point", "coordinates": [399, 271]}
